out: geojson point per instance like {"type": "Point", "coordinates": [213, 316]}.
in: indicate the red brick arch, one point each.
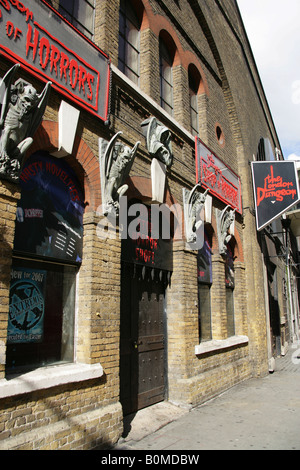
{"type": "Point", "coordinates": [83, 161]}
{"type": "Point", "coordinates": [158, 23]}
{"type": "Point", "coordinates": [140, 187]}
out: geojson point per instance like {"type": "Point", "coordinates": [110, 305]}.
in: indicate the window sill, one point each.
{"type": "Point", "coordinates": [217, 345]}
{"type": "Point", "coordinates": [47, 377]}
{"type": "Point", "coordinates": [151, 102]}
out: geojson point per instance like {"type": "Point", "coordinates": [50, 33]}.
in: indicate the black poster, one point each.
{"type": "Point", "coordinates": [204, 262]}
{"type": "Point", "coordinates": [229, 267]}
{"type": "Point", "coordinates": [144, 245]}
{"type": "Point", "coordinates": [276, 189]}
{"type": "Point", "coordinates": [50, 212]}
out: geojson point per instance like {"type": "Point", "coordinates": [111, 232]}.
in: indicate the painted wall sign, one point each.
{"type": "Point", "coordinates": [26, 306]}
{"type": "Point", "coordinates": [35, 35]}
{"type": "Point", "coordinates": [276, 189]}
{"type": "Point", "coordinates": [214, 175]}
{"type": "Point", "coordinates": [50, 212]}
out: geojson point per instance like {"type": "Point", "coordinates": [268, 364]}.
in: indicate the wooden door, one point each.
{"type": "Point", "coordinates": [142, 360]}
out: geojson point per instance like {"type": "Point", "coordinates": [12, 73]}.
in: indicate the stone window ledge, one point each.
{"type": "Point", "coordinates": [166, 116]}
{"type": "Point", "coordinates": [47, 377]}
{"type": "Point", "coordinates": [216, 345]}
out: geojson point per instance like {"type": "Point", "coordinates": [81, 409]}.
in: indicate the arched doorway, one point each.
{"type": "Point", "coordinates": [146, 270]}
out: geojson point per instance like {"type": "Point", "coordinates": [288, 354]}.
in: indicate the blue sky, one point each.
{"type": "Point", "coordinates": [273, 29]}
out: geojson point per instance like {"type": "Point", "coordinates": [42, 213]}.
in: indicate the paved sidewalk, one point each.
{"type": "Point", "coordinates": [257, 414]}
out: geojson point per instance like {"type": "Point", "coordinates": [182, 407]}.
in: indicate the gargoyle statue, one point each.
{"type": "Point", "coordinates": [195, 202]}
{"type": "Point", "coordinates": [225, 222]}
{"type": "Point", "coordinates": [118, 160]}
{"type": "Point", "coordinates": [159, 142]}
{"type": "Point", "coordinates": [21, 112]}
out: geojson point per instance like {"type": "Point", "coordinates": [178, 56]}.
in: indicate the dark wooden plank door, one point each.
{"type": "Point", "coordinates": [150, 343]}
{"type": "Point", "coordinates": [142, 361]}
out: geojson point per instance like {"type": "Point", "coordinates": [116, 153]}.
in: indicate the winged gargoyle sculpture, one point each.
{"type": "Point", "coordinates": [118, 160]}
{"type": "Point", "coordinates": [225, 226]}
{"type": "Point", "coordinates": [21, 112]}
{"type": "Point", "coordinates": [158, 141]}
{"type": "Point", "coordinates": [194, 204]}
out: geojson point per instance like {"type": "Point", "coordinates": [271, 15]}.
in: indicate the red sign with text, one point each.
{"type": "Point", "coordinates": [35, 35]}
{"type": "Point", "coordinates": [214, 175]}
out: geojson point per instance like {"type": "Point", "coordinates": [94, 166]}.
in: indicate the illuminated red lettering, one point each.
{"type": "Point", "coordinates": [64, 64]}
{"type": "Point", "coordinates": [9, 29]}
{"type": "Point", "coordinates": [12, 31]}
{"type": "Point", "coordinates": [5, 4]}
{"type": "Point", "coordinates": [82, 78]}
{"type": "Point", "coordinates": [17, 33]}
{"type": "Point", "coordinates": [90, 79]}
{"type": "Point", "coordinates": [29, 43]}
{"type": "Point", "coordinates": [73, 73]}
{"type": "Point", "coordinates": [44, 44]}
{"type": "Point", "coordinates": [54, 58]}
{"type": "Point", "coordinates": [274, 188]}
{"type": "Point", "coordinates": [19, 5]}
{"type": "Point", "coordinates": [51, 57]}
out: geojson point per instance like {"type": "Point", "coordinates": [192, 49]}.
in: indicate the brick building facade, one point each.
{"type": "Point", "coordinates": [121, 306]}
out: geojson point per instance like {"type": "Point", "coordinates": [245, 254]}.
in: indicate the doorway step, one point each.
{"type": "Point", "coordinates": [148, 420]}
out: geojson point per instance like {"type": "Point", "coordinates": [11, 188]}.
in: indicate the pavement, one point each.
{"type": "Point", "coordinates": [258, 414]}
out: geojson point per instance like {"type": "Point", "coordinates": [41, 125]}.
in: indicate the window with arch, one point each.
{"type": "Point", "coordinates": [129, 41]}
{"type": "Point", "coordinates": [204, 268]}
{"type": "Point", "coordinates": [264, 151]}
{"type": "Point", "coordinates": [46, 257]}
{"type": "Point", "coordinates": [194, 83]}
{"type": "Point", "coordinates": [166, 58]}
{"type": "Point", "coordinates": [80, 13]}
{"type": "Point", "coordinates": [230, 284]}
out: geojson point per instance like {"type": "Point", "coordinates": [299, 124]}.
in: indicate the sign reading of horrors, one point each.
{"type": "Point", "coordinates": [276, 189]}
{"type": "Point", "coordinates": [38, 38]}
{"type": "Point", "coordinates": [214, 175]}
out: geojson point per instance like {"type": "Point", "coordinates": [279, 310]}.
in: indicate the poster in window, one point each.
{"type": "Point", "coordinates": [229, 267]}
{"type": "Point", "coordinates": [26, 306]}
{"type": "Point", "coordinates": [50, 212]}
{"type": "Point", "coordinates": [204, 262]}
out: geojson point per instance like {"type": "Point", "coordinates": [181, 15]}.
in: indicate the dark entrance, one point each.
{"type": "Point", "coordinates": [146, 271]}
{"type": "Point", "coordinates": [142, 361]}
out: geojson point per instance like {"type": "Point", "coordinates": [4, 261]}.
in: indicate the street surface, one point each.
{"type": "Point", "coordinates": [258, 414]}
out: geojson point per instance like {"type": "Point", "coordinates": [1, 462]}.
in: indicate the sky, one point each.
{"type": "Point", "coordinates": [273, 30]}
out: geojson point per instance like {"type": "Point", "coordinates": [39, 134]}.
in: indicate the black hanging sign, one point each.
{"type": "Point", "coordinates": [276, 189]}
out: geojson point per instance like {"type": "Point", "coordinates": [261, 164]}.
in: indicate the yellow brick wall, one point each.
{"type": "Point", "coordinates": [89, 414]}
